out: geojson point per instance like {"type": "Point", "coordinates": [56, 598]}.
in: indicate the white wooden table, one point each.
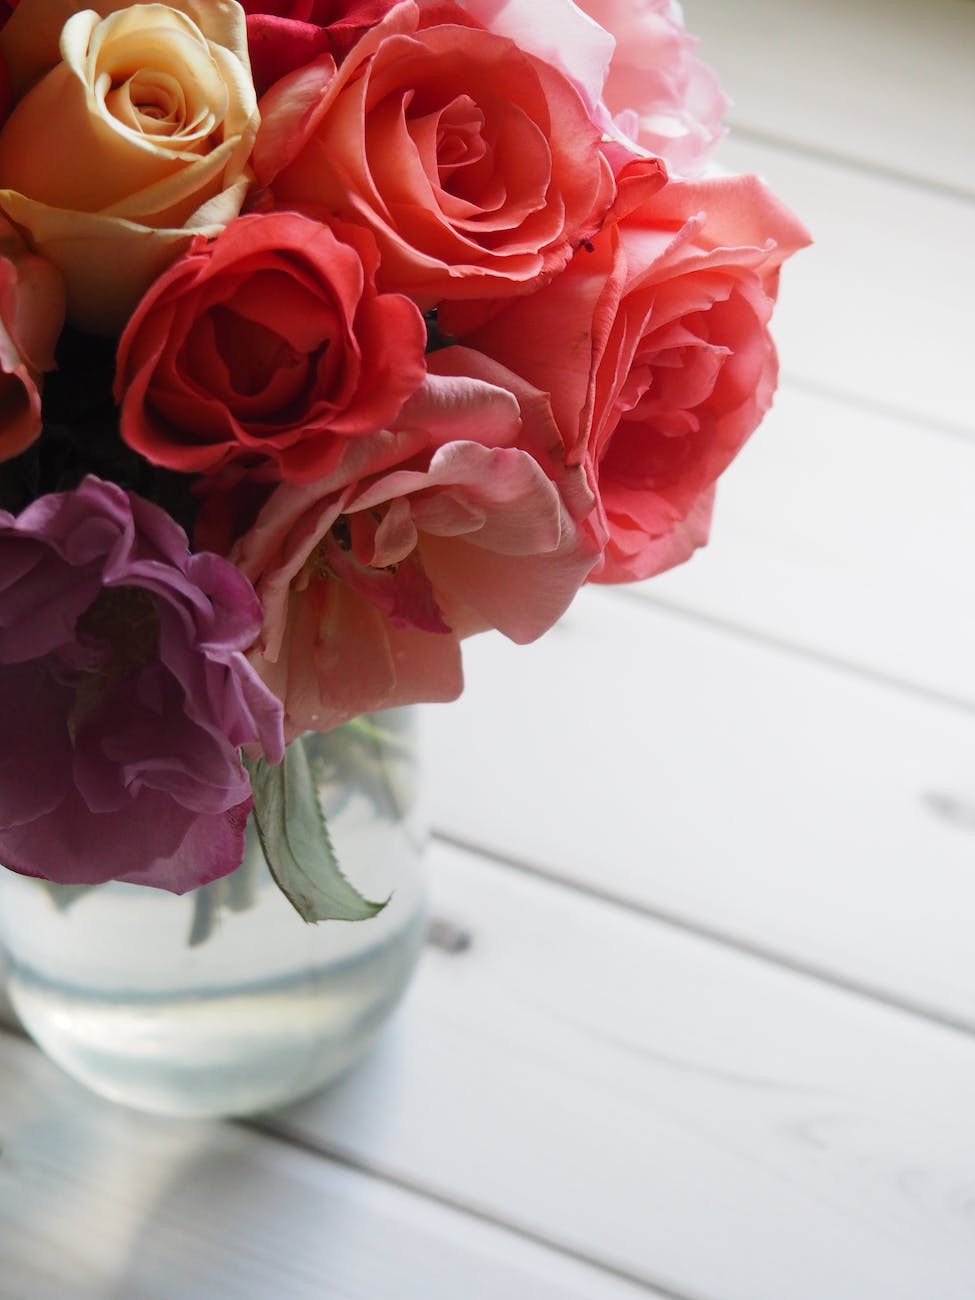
{"type": "Point", "coordinates": [713, 842]}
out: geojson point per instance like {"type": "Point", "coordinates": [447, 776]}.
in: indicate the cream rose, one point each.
{"type": "Point", "coordinates": [134, 138]}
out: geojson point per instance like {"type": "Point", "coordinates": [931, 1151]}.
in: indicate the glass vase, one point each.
{"type": "Point", "coordinates": [223, 1001]}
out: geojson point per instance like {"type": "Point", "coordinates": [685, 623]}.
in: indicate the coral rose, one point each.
{"type": "Point", "coordinates": [634, 64]}
{"type": "Point", "coordinates": [474, 164]}
{"type": "Point", "coordinates": [135, 136]}
{"type": "Point", "coordinates": [283, 35]}
{"type": "Point", "coordinates": [31, 317]}
{"type": "Point", "coordinates": [655, 347]}
{"type": "Point", "coordinates": [125, 695]}
{"type": "Point", "coordinates": [267, 344]}
{"type": "Point", "coordinates": [464, 519]}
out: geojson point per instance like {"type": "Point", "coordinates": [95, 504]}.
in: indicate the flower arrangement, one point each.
{"type": "Point", "coordinates": [332, 333]}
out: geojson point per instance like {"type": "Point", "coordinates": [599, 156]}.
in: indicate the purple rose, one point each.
{"type": "Point", "coordinates": [125, 695]}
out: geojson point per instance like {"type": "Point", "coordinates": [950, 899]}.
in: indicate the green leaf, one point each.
{"type": "Point", "coordinates": [296, 843]}
{"type": "Point", "coordinates": [65, 896]}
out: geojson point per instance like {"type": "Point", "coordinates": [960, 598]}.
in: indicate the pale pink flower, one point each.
{"type": "Point", "coordinates": [464, 518]}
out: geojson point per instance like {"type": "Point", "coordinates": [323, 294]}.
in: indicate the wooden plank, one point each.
{"type": "Point", "coordinates": [98, 1203]}
{"type": "Point", "coordinates": [845, 532]}
{"type": "Point", "coordinates": [782, 803]}
{"type": "Point", "coordinates": [884, 83]}
{"type": "Point", "coordinates": [879, 308]}
{"type": "Point", "coordinates": [721, 1127]}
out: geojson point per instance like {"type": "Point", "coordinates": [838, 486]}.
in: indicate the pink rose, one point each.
{"type": "Point", "coordinates": [662, 97]}
{"type": "Point", "coordinates": [370, 578]}
{"type": "Point", "coordinates": [31, 317]}
{"type": "Point", "coordinates": [268, 345]}
{"type": "Point", "coordinates": [474, 164]}
{"type": "Point", "coordinates": [655, 348]}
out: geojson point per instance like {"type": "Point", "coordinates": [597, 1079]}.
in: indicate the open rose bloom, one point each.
{"type": "Point", "coordinates": [330, 335]}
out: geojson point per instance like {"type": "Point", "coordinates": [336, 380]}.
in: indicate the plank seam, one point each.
{"type": "Point", "coordinates": [276, 1131]}
{"type": "Point", "coordinates": [342, 1156]}
{"type": "Point", "coordinates": [891, 681]}
{"type": "Point", "coordinates": [849, 162]}
{"type": "Point", "coordinates": [757, 952]}
{"type": "Point", "coordinates": [919, 423]}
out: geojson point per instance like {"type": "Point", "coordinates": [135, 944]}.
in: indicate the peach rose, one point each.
{"type": "Point", "coordinates": [31, 317]}
{"type": "Point", "coordinates": [654, 344]}
{"type": "Point", "coordinates": [475, 164]}
{"type": "Point", "coordinates": [464, 518]}
{"type": "Point", "coordinates": [131, 134]}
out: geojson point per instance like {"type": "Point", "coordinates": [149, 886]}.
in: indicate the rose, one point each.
{"type": "Point", "coordinates": [554, 30]}
{"type": "Point", "coordinates": [465, 518]}
{"type": "Point", "coordinates": [31, 316]}
{"type": "Point", "coordinates": [283, 35]}
{"type": "Point", "coordinates": [267, 344]}
{"type": "Point", "coordinates": [634, 64]}
{"type": "Point", "coordinates": [5, 95]}
{"type": "Point", "coordinates": [125, 695]}
{"type": "Point", "coordinates": [663, 98]}
{"type": "Point", "coordinates": [6, 9]}
{"type": "Point", "coordinates": [474, 164]}
{"type": "Point", "coordinates": [655, 347]}
{"type": "Point", "coordinates": [136, 137]}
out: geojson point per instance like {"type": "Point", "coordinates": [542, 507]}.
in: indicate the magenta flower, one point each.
{"type": "Point", "coordinates": [125, 695]}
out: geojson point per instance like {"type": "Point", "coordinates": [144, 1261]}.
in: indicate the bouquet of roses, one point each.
{"type": "Point", "coordinates": [333, 332]}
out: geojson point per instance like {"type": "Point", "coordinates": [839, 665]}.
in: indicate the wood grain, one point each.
{"type": "Point", "coordinates": [692, 1116]}
{"type": "Point", "coordinates": [796, 807]}
{"type": "Point", "coordinates": [98, 1203]}
{"type": "Point", "coordinates": [885, 84]}
{"type": "Point", "coordinates": [844, 532]}
{"type": "Point", "coordinates": [878, 310]}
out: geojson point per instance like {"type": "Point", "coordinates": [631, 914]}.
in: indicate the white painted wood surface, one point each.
{"type": "Point", "coordinates": [712, 1037]}
{"type": "Point", "coordinates": [884, 84]}
{"type": "Point", "coordinates": [683, 1113]}
{"type": "Point", "coordinates": [789, 805]}
{"type": "Point", "coordinates": [843, 531]}
{"type": "Point", "coordinates": [880, 311]}
{"type": "Point", "coordinates": [98, 1203]}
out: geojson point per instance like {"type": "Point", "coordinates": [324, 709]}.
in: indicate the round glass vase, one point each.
{"type": "Point", "coordinates": [224, 1001]}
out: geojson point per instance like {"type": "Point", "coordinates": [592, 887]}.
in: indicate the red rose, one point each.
{"type": "Point", "coordinates": [267, 344]}
{"type": "Point", "coordinates": [286, 34]}
{"type": "Point", "coordinates": [6, 9]}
